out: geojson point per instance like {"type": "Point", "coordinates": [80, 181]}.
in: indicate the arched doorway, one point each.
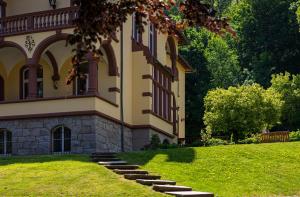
{"type": "Point", "coordinates": [5, 142]}
{"type": "Point", "coordinates": [61, 140]}
{"type": "Point", "coordinates": [1, 89]}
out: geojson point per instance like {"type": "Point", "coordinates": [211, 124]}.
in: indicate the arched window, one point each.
{"type": "Point", "coordinates": [152, 40]}
{"type": "Point", "coordinates": [25, 82]}
{"type": "Point", "coordinates": [5, 142]}
{"type": "Point", "coordinates": [1, 89]}
{"type": "Point", "coordinates": [61, 140]}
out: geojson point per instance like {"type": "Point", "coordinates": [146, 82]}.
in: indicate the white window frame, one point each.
{"type": "Point", "coordinates": [62, 140]}
{"type": "Point", "coordinates": [87, 84]}
{"type": "Point", "coordinates": [151, 39]}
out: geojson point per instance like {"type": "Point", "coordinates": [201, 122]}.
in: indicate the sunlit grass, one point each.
{"type": "Point", "coordinates": [230, 171]}
{"type": "Point", "coordinates": [63, 176]}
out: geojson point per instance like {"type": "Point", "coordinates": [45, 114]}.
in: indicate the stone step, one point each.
{"type": "Point", "coordinates": [125, 167]}
{"type": "Point", "coordinates": [118, 171]}
{"type": "Point", "coordinates": [96, 159]}
{"type": "Point", "coordinates": [191, 194]}
{"type": "Point", "coordinates": [140, 176]}
{"type": "Point", "coordinates": [171, 188]}
{"type": "Point", "coordinates": [150, 182]}
{"type": "Point", "coordinates": [112, 163]}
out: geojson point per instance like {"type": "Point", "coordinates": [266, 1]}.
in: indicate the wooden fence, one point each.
{"type": "Point", "coordinates": [282, 136]}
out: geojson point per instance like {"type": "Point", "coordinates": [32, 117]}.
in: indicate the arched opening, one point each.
{"type": "Point", "coordinates": [61, 140]}
{"type": "Point", "coordinates": [5, 142]}
{"type": "Point", "coordinates": [13, 57]}
{"type": "Point", "coordinates": [2, 91]}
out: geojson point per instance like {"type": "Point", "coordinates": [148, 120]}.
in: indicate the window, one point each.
{"type": "Point", "coordinates": [40, 82]}
{"type": "Point", "coordinates": [161, 104]}
{"type": "Point", "coordinates": [5, 142]}
{"type": "Point", "coordinates": [82, 80]}
{"type": "Point", "coordinates": [136, 35]}
{"type": "Point", "coordinates": [2, 9]}
{"type": "Point", "coordinates": [61, 140]}
{"type": "Point", "coordinates": [25, 83]}
{"type": "Point", "coordinates": [152, 39]}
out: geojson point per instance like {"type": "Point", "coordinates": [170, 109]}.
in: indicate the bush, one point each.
{"type": "Point", "coordinates": [216, 142]}
{"type": "Point", "coordinates": [254, 139]}
{"type": "Point", "coordinates": [295, 136]}
{"type": "Point", "coordinates": [240, 111]}
{"type": "Point", "coordinates": [154, 143]}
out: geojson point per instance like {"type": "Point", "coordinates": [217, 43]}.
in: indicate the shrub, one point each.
{"type": "Point", "coordinates": [254, 139]}
{"type": "Point", "coordinates": [295, 136]}
{"type": "Point", "coordinates": [216, 142]}
{"type": "Point", "coordinates": [238, 111]}
{"type": "Point", "coordinates": [155, 142]}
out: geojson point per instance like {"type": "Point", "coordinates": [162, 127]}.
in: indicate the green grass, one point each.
{"type": "Point", "coordinates": [63, 176]}
{"type": "Point", "coordinates": [237, 170]}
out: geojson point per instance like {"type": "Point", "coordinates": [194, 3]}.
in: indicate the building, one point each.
{"type": "Point", "coordinates": [40, 114]}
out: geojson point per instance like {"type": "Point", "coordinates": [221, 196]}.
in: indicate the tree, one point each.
{"type": "Point", "coordinates": [268, 37]}
{"type": "Point", "coordinates": [198, 82]}
{"type": "Point", "coordinates": [101, 19]}
{"type": "Point", "coordinates": [239, 111]}
{"type": "Point", "coordinates": [289, 87]}
{"type": "Point", "coordinates": [222, 63]}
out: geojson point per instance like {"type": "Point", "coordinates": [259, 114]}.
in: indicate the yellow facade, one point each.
{"type": "Point", "coordinates": [59, 97]}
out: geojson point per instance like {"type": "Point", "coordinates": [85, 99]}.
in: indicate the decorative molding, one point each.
{"type": "Point", "coordinates": [147, 77]}
{"type": "Point", "coordinates": [86, 113]}
{"type": "Point", "coordinates": [114, 89]}
{"type": "Point", "coordinates": [147, 111]}
{"type": "Point", "coordinates": [146, 94]}
{"type": "Point", "coordinates": [59, 98]}
{"type": "Point", "coordinates": [29, 43]}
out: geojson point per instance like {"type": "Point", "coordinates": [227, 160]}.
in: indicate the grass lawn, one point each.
{"type": "Point", "coordinates": [237, 170]}
{"type": "Point", "coordinates": [63, 176]}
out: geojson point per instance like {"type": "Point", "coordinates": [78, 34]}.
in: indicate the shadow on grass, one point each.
{"type": "Point", "coordinates": [180, 155]}
{"type": "Point", "coordinates": [41, 159]}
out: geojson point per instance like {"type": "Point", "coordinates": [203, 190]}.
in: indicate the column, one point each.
{"type": "Point", "coordinates": [93, 73]}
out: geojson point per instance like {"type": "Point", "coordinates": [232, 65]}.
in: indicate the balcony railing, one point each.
{"type": "Point", "coordinates": [38, 21]}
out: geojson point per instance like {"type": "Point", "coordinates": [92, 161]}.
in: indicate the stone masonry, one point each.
{"type": "Point", "coordinates": [88, 134]}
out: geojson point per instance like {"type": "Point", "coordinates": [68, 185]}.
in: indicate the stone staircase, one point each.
{"type": "Point", "coordinates": [132, 172]}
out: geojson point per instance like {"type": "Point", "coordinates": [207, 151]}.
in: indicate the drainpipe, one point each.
{"type": "Point", "coordinates": [121, 92]}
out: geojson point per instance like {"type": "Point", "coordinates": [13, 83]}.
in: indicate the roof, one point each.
{"type": "Point", "coordinates": [185, 64]}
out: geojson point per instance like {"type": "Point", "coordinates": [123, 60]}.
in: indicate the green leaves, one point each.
{"type": "Point", "coordinates": [242, 110]}
{"type": "Point", "coordinates": [289, 87]}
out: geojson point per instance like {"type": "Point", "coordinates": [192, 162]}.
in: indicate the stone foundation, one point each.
{"type": "Point", "coordinates": [142, 137]}
{"type": "Point", "coordinates": [88, 134]}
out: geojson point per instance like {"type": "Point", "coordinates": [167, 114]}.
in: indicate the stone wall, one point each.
{"type": "Point", "coordinates": [142, 137]}
{"type": "Point", "coordinates": [88, 134]}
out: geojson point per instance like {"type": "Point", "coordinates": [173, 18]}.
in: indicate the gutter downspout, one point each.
{"type": "Point", "coordinates": [121, 88]}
